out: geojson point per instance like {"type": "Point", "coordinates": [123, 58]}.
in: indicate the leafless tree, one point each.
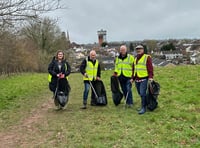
{"type": "Point", "coordinates": [17, 10]}
{"type": "Point", "coordinates": [42, 32]}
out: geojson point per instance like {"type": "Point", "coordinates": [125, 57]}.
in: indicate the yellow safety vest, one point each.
{"type": "Point", "coordinates": [140, 68]}
{"type": "Point", "coordinates": [50, 76]}
{"type": "Point", "coordinates": [124, 66]}
{"type": "Point", "coordinates": [91, 70]}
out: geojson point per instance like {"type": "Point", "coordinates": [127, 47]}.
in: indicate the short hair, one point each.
{"type": "Point", "coordinates": [92, 51]}
{"type": "Point", "coordinates": [123, 46]}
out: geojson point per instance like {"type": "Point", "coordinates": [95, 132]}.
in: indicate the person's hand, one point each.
{"type": "Point", "coordinates": [131, 80]}
{"type": "Point", "coordinates": [150, 79]}
{"type": "Point", "coordinates": [86, 75]}
{"type": "Point", "coordinates": [58, 75]}
{"type": "Point", "coordinates": [115, 74]}
{"type": "Point", "coordinates": [62, 76]}
{"type": "Point", "coordinates": [98, 78]}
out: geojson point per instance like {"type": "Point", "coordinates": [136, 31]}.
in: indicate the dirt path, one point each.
{"type": "Point", "coordinates": [19, 135]}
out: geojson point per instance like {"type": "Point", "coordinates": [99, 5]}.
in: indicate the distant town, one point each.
{"type": "Point", "coordinates": [171, 52]}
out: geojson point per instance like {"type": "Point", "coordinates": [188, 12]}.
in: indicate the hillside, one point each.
{"type": "Point", "coordinates": [28, 117]}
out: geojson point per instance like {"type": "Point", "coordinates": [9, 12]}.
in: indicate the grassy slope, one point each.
{"type": "Point", "coordinates": [175, 123]}
{"type": "Point", "coordinates": [19, 94]}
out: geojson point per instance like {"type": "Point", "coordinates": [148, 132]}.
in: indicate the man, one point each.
{"type": "Point", "coordinates": [142, 73]}
{"type": "Point", "coordinates": [123, 70]}
{"type": "Point", "coordinates": [91, 71]}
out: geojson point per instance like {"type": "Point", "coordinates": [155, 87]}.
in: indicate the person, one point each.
{"type": "Point", "coordinates": [142, 73]}
{"type": "Point", "coordinates": [59, 70]}
{"type": "Point", "coordinates": [91, 71]}
{"type": "Point", "coordinates": [123, 70]}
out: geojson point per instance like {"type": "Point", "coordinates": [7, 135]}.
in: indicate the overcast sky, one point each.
{"type": "Point", "coordinates": [129, 20]}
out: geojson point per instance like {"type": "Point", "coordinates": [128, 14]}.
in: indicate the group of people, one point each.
{"type": "Point", "coordinates": [128, 69]}
{"type": "Point", "coordinates": [131, 69]}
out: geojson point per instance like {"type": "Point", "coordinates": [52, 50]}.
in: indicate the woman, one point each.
{"type": "Point", "coordinates": [59, 70]}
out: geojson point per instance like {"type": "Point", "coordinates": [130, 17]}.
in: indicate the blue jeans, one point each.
{"type": "Point", "coordinates": [126, 89]}
{"type": "Point", "coordinates": [142, 90]}
{"type": "Point", "coordinates": [86, 92]}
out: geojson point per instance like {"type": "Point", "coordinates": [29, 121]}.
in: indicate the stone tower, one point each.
{"type": "Point", "coordinates": [101, 36]}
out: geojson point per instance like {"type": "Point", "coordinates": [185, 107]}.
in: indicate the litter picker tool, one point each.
{"type": "Point", "coordinates": [93, 89]}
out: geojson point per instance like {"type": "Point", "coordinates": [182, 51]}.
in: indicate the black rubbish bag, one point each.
{"type": "Point", "coordinates": [62, 92]}
{"type": "Point", "coordinates": [152, 95]}
{"type": "Point", "coordinates": [99, 93]}
{"type": "Point", "coordinates": [117, 95]}
{"type": "Point", "coordinates": [62, 98]}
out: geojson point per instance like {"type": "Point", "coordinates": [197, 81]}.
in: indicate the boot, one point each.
{"type": "Point", "coordinates": [142, 111]}
{"type": "Point", "coordinates": [143, 105]}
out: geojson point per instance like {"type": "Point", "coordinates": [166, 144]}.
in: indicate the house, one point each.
{"type": "Point", "coordinates": [195, 58]}
{"type": "Point", "coordinates": [107, 63]}
{"type": "Point", "coordinates": [160, 62]}
{"type": "Point", "coordinates": [170, 55]}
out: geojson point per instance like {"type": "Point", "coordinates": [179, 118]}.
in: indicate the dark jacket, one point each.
{"type": "Point", "coordinates": [53, 69]}
{"type": "Point", "coordinates": [84, 64]}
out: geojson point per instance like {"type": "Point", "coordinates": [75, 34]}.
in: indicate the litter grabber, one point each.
{"type": "Point", "coordinates": [126, 97]}
{"type": "Point", "coordinates": [93, 89]}
{"type": "Point", "coordinates": [125, 101]}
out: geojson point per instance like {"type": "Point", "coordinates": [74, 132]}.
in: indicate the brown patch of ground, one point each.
{"type": "Point", "coordinates": [20, 135]}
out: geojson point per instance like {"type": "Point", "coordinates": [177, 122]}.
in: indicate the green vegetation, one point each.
{"type": "Point", "coordinates": [168, 47]}
{"type": "Point", "coordinates": [175, 123]}
{"type": "Point", "coordinates": [18, 94]}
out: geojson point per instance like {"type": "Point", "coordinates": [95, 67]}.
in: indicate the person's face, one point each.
{"type": "Point", "coordinates": [140, 50]}
{"type": "Point", "coordinates": [123, 50]}
{"type": "Point", "coordinates": [92, 55]}
{"type": "Point", "coordinates": [60, 55]}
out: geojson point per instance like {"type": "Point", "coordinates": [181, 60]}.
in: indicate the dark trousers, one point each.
{"type": "Point", "coordinates": [126, 89]}
{"type": "Point", "coordinates": [142, 90]}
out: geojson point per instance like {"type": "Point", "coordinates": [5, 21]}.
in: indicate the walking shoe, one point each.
{"type": "Point", "coordinates": [142, 111]}
{"type": "Point", "coordinates": [58, 108]}
{"type": "Point", "coordinates": [138, 109]}
{"type": "Point", "coordinates": [84, 107]}
{"type": "Point", "coordinates": [93, 104]}
{"type": "Point", "coordinates": [56, 102]}
{"type": "Point", "coordinates": [129, 105]}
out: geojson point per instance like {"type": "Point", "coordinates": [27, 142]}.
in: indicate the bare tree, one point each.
{"type": "Point", "coordinates": [42, 32]}
{"type": "Point", "coordinates": [17, 10]}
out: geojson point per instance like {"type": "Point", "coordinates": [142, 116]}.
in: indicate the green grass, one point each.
{"type": "Point", "coordinates": [18, 94]}
{"type": "Point", "coordinates": [175, 123]}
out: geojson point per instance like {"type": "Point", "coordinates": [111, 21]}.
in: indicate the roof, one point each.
{"type": "Point", "coordinates": [160, 62]}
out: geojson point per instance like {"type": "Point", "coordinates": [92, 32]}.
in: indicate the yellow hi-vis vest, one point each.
{"type": "Point", "coordinates": [91, 70]}
{"type": "Point", "coordinates": [140, 68]}
{"type": "Point", "coordinates": [124, 66]}
{"type": "Point", "coordinates": [50, 76]}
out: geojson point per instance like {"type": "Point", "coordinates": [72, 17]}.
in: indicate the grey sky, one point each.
{"type": "Point", "coordinates": [128, 20]}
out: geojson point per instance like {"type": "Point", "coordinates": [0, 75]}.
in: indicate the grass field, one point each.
{"type": "Point", "coordinates": [175, 123]}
